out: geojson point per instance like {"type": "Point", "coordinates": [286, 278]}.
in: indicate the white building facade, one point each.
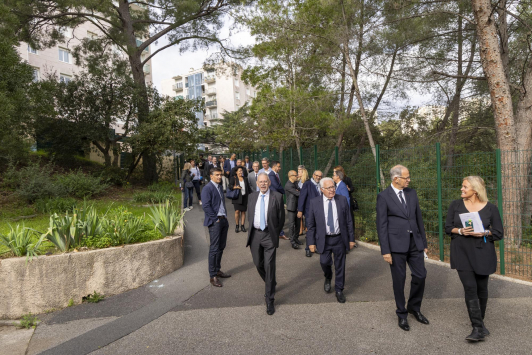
{"type": "Point", "coordinates": [221, 90]}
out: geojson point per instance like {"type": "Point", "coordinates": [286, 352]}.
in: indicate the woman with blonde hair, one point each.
{"type": "Point", "coordinates": [473, 253]}
{"type": "Point", "coordinates": [187, 186]}
{"type": "Point", "coordinates": [302, 175]}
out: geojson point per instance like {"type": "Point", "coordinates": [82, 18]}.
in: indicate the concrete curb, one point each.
{"type": "Point", "coordinates": [14, 323]}
{"type": "Point", "coordinates": [447, 265]}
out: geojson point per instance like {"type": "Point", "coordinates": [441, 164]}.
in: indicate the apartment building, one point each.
{"type": "Point", "coordinates": [58, 60]}
{"type": "Point", "coordinates": [220, 88]}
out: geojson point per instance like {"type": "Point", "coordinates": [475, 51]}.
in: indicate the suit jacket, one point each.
{"type": "Point", "coordinates": [227, 166]}
{"type": "Point", "coordinates": [252, 179]}
{"type": "Point", "coordinates": [232, 181]}
{"type": "Point", "coordinates": [308, 192]}
{"type": "Point", "coordinates": [276, 184]}
{"type": "Point", "coordinates": [341, 189]}
{"type": "Point", "coordinates": [249, 166]}
{"type": "Point", "coordinates": [275, 215]}
{"type": "Point", "coordinates": [207, 170]}
{"type": "Point", "coordinates": [292, 195]}
{"type": "Point", "coordinates": [210, 198]}
{"type": "Point", "coordinates": [316, 233]}
{"type": "Point", "coordinates": [395, 224]}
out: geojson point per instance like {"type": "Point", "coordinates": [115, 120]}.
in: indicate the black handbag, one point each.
{"type": "Point", "coordinates": [233, 194]}
{"type": "Point", "coordinates": [189, 184]}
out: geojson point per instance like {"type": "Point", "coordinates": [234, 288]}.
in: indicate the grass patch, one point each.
{"type": "Point", "coordinates": [93, 298]}
{"type": "Point", "coordinates": [29, 321]}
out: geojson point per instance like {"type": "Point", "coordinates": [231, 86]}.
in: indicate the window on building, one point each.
{"type": "Point", "coordinates": [237, 95]}
{"type": "Point", "coordinates": [248, 92]}
{"type": "Point", "coordinates": [36, 74]}
{"type": "Point", "coordinates": [64, 78]}
{"type": "Point", "coordinates": [31, 49]}
{"type": "Point", "coordinates": [237, 84]}
{"type": "Point", "coordinates": [67, 32]}
{"type": "Point", "coordinates": [64, 55]}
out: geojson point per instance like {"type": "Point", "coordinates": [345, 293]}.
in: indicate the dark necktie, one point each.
{"type": "Point", "coordinates": [330, 218]}
{"type": "Point", "coordinates": [277, 176]}
{"type": "Point", "coordinates": [403, 200]}
{"type": "Point", "coordinates": [221, 191]}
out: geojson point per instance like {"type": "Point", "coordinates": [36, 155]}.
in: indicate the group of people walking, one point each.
{"type": "Point", "coordinates": [325, 207]}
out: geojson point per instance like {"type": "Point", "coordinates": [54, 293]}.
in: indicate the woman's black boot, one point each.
{"type": "Point", "coordinates": [243, 229]}
{"type": "Point", "coordinates": [475, 315]}
{"type": "Point", "coordinates": [483, 303]}
{"type": "Point", "coordinates": [236, 229]}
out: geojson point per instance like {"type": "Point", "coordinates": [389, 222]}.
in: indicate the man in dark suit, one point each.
{"type": "Point", "coordinates": [275, 185]}
{"type": "Point", "coordinates": [266, 219]}
{"type": "Point", "coordinates": [229, 165]}
{"type": "Point", "coordinates": [253, 176]}
{"type": "Point", "coordinates": [309, 191]}
{"type": "Point", "coordinates": [292, 195]}
{"type": "Point", "coordinates": [402, 240]}
{"type": "Point", "coordinates": [248, 164]}
{"type": "Point", "coordinates": [215, 211]}
{"type": "Point", "coordinates": [212, 164]}
{"type": "Point", "coordinates": [330, 232]}
{"type": "Point", "coordinates": [341, 187]}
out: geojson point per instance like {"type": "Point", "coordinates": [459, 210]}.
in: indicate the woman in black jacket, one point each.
{"type": "Point", "coordinates": [238, 182]}
{"type": "Point", "coordinates": [473, 254]}
{"type": "Point", "coordinates": [187, 187]}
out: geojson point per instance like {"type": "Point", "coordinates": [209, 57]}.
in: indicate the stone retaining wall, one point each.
{"type": "Point", "coordinates": [49, 282]}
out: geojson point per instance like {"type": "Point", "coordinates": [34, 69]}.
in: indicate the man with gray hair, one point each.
{"type": "Point", "coordinates": [402, 240]}
{"type": "Point", "coordinates": [330, 232]}
{"type": "Point", "coordinates": [253, 176]}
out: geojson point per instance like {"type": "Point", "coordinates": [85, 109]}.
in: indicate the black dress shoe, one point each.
{"type": "Point", "coordinates": [270, 308]}
{"type": "Point", "coordinates": [295, 245]}
{"type": "Point", "coordinates": [419, 317]}
{"type": "Point", "coordinates": [298, 241]}
{"type": "Point", "coordinates": [403, 324]}
{"type": "Point", "coordinates": [309, 254]}
{"type": "Point", "coordinates": [222, 274]}
{"type": "Point", "coordinates": [340, 296]}
{"type": "Point", "coordinates": [327, 285]}
{"type": "Point", "coordinates": [236, 229]}
{"type": "Point", "coordinates": [243, 229]}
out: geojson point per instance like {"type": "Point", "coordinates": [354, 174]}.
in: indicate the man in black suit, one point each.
{"type": "Point", "coordinates": [330, 232]}
{"type": "Point", "coordinates": [207, 171]}
{"type": "Point", "coordinates": [292, 195]}
{"type": "Point", "coordinates": [248, 164]}
{"type": "Point", "coordinates": [402, 240]}
{"type": "Point", "coordinates": [266, 219]}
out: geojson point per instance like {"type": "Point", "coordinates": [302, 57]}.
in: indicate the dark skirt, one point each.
{"type": "Point", "coordinates": [244, 206]}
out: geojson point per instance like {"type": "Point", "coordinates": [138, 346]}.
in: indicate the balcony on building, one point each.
{"type": "Point", "coordinates": [177, 87]}
{"type": "Point", "coordinates": [211, 91]}
{"type": "Point", "coordinates": [147, 68]}
{"type": "Point", "coordinates": [178, 77]}
{"type": "Point", "coordinates": [210, 79]}
{"type": "Point", "coordinates": [211, 103]}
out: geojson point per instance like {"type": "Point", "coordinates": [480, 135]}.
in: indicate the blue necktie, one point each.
{"type": "Point", "coordinates": [262, 213]}
{"type": "Point", "coordinates": [403, 201]}
{"type": "Point", "coordinates": [330, 218]}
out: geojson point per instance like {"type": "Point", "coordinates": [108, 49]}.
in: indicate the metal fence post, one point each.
{"type": "Point", "coordinates": [300, 155]}
{"type": "Point", "coordinates": [378, 166]}
{"type": "Point", "coordinates": [499, 203]}
{"type": "Point", "coordinates": [336, 156]}
{"type": "Point", "coordinates": [440, 212]}
{"type": "Point", "coordinates": [315, 157]}
{"type": "Point", "coordinates": [292, 158]}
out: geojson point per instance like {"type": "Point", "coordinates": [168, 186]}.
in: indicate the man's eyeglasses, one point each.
{"type": "Point", "coordinates": [406, 178]}
{"type": "Point", "coordinates": [330, 188]}
{"type": "Point", "coordinates": [318, 175]}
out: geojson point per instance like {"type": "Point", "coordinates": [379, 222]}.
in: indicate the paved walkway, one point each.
{"type": "Point", "coordinates": [182, 314]}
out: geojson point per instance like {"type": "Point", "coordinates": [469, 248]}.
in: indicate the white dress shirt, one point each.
{"type": "Point", "coordinates": [335, 215]}
{"type": "Point", "coordinates": [195, 170]}
{"type": "Point", "coordinates": [265, 171]}
{"type": "Point", "coordinates": [256, 218]}
{"type": "Point", "coordinates": [243, 186]}
{"type": "Point", "coordinates": [397, 194]}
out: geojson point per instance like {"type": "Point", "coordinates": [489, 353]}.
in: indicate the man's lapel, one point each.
{"type": "Point", "coordinates": [395, 199]}
{"type": "Point", "coordinates": [408, 199]}
{"type": "Point", "coordinates": [252, 203]}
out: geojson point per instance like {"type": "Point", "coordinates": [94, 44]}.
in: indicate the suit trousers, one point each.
{"type": "Point", "coordinates": [197, 188]}
{"type": "Point", "coordinates": [415, 260]}
{"type": "Point", "coordinates": [293, 225]}
{"type": "Point", "coordinates": [334, 245]}
{"type": "Point", "coordinates": [218, 237]}
{"type": "Point", "coordinates": [263, 252]}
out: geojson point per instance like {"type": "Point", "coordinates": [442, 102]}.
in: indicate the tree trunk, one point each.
{"type": "Point", "coordinates": [505, 124]}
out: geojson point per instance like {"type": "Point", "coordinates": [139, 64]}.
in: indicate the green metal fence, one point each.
{"type": "Point", "coordinates": [437, 179]}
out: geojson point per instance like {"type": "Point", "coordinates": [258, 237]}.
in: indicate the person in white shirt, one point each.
{"type": "Point", "coordinates": [196, 178]}
{"type": "Point", "coordinates": [265, 166]}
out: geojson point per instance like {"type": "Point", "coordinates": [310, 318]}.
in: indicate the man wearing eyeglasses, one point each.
{"type": "Point", "coordinates": [330, 232]}
{"type": "Point", "coordinates": [309, 191]}
{"type": "Point", "coordinates": [402, 240]}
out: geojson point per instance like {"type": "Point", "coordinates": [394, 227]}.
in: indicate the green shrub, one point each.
{"type": "Point", "coordinates": [64, 232]}
{"type": "Point", "coordinates": [99, 242]}
{"type": "Point", "coordinates": [153, 197]}
{"type": "Point", "coordinates": [21, 241]}
{"type": "Point", "coordinates": [114, 176]}
{"type": "Point", "coordinates": [162, 186]}
{"type": "Point", "coordinates": [80, 185]}
{"type": "Point", "coordinates": [89, 221]}
{"type": "Point", "coordinates": [166, 218]}
{"type": "Point", "coordinates": [29, 321]}
{"type": "Point", "coordinates": [148, 235]}
{"type": "Point", "coordinates": [55, 205]}
{"type": "Point", "coordinates": [94, 298]}
{"type": "Point", "coordinates": [123, 227]}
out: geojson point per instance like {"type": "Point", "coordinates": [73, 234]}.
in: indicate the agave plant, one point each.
{"type": "Point", "coordinates": [123, 227]}
{"type": "Point", "coordinates": [88, 220]}
{"type": "Point", "coordinates": [21, 241]}
{"type": "Point", "coordinates": [64, 232]}
{"type": "Point", "coordinates": [166, 218]}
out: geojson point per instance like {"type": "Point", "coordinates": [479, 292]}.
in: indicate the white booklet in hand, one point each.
{"type": "Point", "coordinates": [474, 218]}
